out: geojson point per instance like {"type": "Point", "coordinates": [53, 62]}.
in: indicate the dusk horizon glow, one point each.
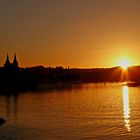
{"type": "Point", "coordinates": [75, 34]}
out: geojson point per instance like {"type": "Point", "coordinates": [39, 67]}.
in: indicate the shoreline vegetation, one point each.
{"type": "Point", "coordinates": [15, 79]}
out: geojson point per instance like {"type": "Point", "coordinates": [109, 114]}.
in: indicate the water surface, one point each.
{"type": "Point", "coordinates": [82, 112]}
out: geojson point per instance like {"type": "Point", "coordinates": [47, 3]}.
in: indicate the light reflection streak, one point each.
{"type": "Point", "coordinates": [126, 108]}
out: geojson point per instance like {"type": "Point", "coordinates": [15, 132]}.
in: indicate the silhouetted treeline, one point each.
{"type": "Point", "coordinates": [65, 75]}
{"type": "Point", "coordinates": [134, 73]}
{"type": "Point", "coordinates": [21, 79]}
{"type": "Point", "coordinates": [16, 79]}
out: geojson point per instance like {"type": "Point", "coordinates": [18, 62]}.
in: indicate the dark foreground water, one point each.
{"type": "Point", "coordinates": [84, 112]}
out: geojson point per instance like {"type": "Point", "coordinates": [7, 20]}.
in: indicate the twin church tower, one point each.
{"type": "Point", "coordinates": [8, 64]}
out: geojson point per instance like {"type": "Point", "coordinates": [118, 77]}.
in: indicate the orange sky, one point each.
{"type": "Point", "coordinates": [74, 33]}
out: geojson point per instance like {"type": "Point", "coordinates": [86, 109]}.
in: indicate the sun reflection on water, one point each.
{"type": "Point", "coordinates": [126, 108]}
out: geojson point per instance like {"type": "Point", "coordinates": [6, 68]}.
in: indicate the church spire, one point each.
{"type": "Point", "coordinates": [15, 62]}
{"type": "Point", "coordinates": [7, 62]}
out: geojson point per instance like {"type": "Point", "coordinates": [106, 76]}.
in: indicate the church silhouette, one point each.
{"type": "Point", "coordinates": [15, 79]}
{"type": "Point", "coordinates": [8, 64]}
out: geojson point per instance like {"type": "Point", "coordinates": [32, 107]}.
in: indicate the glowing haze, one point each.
{"type": "Point", "coordinates": [74, 33]}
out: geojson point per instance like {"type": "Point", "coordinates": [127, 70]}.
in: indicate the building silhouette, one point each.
{"type": "Point", "coordinates": [8, 64]}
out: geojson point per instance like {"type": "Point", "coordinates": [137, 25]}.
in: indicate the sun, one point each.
{"type": "Point", "coordinates": [124, 64]}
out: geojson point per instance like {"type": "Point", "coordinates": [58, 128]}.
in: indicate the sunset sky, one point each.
{"type": "Point", "coordinates": [74, 33]}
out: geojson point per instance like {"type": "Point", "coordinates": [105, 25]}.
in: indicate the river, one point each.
{"type": "Point", "coordinates": [81, 112]}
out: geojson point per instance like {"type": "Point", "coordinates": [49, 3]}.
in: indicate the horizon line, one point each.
{"type": "Point", "coordinates": [59, 66]}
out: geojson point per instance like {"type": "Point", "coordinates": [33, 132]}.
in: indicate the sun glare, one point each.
{"type": "Point", "coordinates": [124, 64]}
